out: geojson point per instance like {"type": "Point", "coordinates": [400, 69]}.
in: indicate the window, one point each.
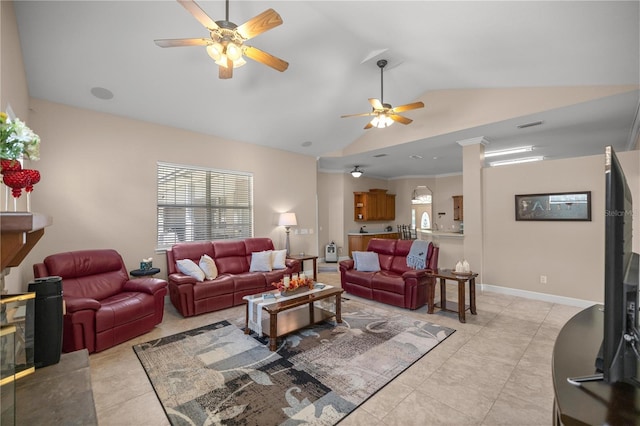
{"type": "Point", "coordinates": [200, 204]}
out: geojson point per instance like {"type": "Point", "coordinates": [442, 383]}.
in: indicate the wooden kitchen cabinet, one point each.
{"type": "Point", "coordinates": [360, 242]}
{"type": "Point", "coordinates": [458, 213]}
{"type": "Point", "coordinates": [374, 205]}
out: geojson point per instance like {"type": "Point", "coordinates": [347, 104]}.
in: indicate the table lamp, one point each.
{"type": "Point", "coordinates": [287, 220]}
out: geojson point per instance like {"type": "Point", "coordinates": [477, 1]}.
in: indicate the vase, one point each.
{"type": "Point", "coordinates": [9, 165]}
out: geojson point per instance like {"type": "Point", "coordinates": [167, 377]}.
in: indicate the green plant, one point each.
{"type": "Point", "coordinates": [17, 140]}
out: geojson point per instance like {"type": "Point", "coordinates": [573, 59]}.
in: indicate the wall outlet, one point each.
{"type": "Point", "coordinates": [543, 279]}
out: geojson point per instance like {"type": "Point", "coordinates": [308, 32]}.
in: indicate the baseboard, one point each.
{"type": "Point", "coordinates": [537, 296]}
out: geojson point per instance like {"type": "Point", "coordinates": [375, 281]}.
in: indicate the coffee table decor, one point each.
{"type": "Point", "coordinates": [218, 375]}
{"type": "Point", "coordinates": [289, 306]}
{"type": "Point", "coordinates": [290, 286]}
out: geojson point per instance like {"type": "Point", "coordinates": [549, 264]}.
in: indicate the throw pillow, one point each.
{"type": "Point", "coordinates": [260, 261]}
{"type": "Point", "coordinates": [208, 266]}
{"type": "Point", "coordinates": [188, 267]}
{"type": "Point", "coordinates": [366, 261]}
{"type": "Point", "coordinates": [278, 258]}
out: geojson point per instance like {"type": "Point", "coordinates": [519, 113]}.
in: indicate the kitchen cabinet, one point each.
{"type": "Point", "coordinates": [458, 213]}
{"type": "Point", "coordinates": [374, 205]}
{"type": "Point", "coordinates": [360, 242]}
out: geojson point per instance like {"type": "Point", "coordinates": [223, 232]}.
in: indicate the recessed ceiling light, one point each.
{"type": "Point", "coordinates": [532, 124]}
{"type": "Point", "coordinates": [307, 143]}
{"type": "Point", "coordinates": [516, 161]}
{"type": "Point", "coordinates": [416, 157]}
{"type": "Point", "coordinates": [508, 151]}
{"type": "Point", "coordinates": [380, 155]}
{"type": "Point", "coordinates": [102, 93]}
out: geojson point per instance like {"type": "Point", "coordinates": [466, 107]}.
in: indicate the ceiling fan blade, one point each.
{"type": "Point", "coordinates": [368, 126]}
{"type": "Point", "coordinates": [259, 24]}
{"type": "Point", "coordinates": [375, 103]}
{"type": "Point", "coordinates": [193, 8]}
{"type": "Point", "coordinates": [179, 42]}
{"type": "Point", "coordinates": [265, 58]}
{"type": "Point", "coordinates": [364, 114]}
{"type": "Point", "coordinates": [226, 72]}
{"type": "Point", "coordinates": [400, 119]}
{"type": "Point", "coordinates": [408, 107]}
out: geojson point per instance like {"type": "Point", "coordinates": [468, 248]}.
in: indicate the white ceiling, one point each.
{"type": "Point", "coordinates": [332, 48]}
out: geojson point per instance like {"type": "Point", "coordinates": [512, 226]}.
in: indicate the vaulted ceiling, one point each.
{"type": "Point", "coordinates": [481, 68]}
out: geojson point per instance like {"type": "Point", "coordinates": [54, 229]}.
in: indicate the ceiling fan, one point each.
{"type": "Point", "coordinates": [226, 43]}
{"type": "Point", "coordinates": [384, 114]}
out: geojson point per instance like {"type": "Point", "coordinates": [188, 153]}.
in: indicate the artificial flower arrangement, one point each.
{"type": "Point", "coordinates": [17, 140]}
{"type": "Point", "coordinates": [293, 283]}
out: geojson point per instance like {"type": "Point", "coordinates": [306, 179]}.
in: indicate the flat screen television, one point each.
{"type": "Point", "coordinates": [617, 360]}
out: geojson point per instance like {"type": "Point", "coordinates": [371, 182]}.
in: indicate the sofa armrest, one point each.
{"type": "Point", "coordinates": [346, 264]}
{"type": "Point", "coordinates": [293, 264]}
{"type": "Point", "coordinates": [75, 304]}
{"type": "Point", "coordinates": [181, 279]}
{"type": "Point", "coordinates": [145, 285]}
{"type": "Point", "coordinates": [417, 273]}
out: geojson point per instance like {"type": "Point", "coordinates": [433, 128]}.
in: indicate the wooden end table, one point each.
{"type": "Point", "coordinates": [284, 319]}
{"type": "Point", "coordinates": [302, 258]}
{"type": "Point", "coordinates": [447, 274]}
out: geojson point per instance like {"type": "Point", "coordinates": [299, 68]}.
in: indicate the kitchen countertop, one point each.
{"type": "Point", "coordinates": [372, 232]}
{"type": "Point", "coordinates": [443, 234]}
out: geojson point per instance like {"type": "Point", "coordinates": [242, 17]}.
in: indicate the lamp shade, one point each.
{"type": "Point", "coordinates": [287, 219]}
{"type": "Point", "coordinates": [356, 172]}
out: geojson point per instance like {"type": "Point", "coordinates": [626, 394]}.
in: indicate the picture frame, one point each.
{"type": "Point", "coordinates": [555, 206]}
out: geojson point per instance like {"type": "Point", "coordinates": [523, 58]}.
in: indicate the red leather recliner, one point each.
{"type": "Point", "coordinates": [104, 307]}
{"type": "Point", "coordinates": [396, 283]}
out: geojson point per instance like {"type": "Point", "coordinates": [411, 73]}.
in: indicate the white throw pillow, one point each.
{"type": "Point", "coordinates": [188, 267]}
{"type": "Point", "coordinates": [260, 261]}
{"type": "Point", "coordinates": [208, 266]}
{"type": "Point", "coordinates": [278, 258]}
{"type": "Point", "coordinates": [366, 261]}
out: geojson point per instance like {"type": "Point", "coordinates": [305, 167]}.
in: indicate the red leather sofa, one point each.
{"type": "Point", "coordinates": [234, 281]}
{"type": "Point", "coordinates": [103, 306]}
{"type": "Point", "coordinates": [395, 284]}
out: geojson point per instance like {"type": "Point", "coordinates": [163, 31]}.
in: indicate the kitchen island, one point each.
{"type": "Point", "coordinates": [359, 241]}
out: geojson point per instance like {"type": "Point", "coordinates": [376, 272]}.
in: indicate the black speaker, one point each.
{"type": "Point", "coordinates": [47, 320]}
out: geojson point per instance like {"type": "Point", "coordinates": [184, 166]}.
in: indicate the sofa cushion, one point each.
{"type": "Point", "coordinates": [192, 250]}
{"type": "Point", "coordinates": [123, 308]}
{"type": "Point", "coordinates": [220, 286]}
{"type": "Point", "coordinates": [249, 281]}
{"type": "Point", "coordinates": [388, 281]}
{"type": "Point", "coordinates": [359, 278]}
{"type": "Point", "coordinates": [189, 267]}
{"type": "Point", "coordinates": [208, 266]}
{"type": "Point", "coordinates": [366, 261]}
{"type": "Point", "coordinates": [386, 250]}
{"type": "Point", "coordinates": [231, 256]}
{"type": "Point", "coordinates": [278, 259]}
{"type": "Point", "coordinates": [260, 261]}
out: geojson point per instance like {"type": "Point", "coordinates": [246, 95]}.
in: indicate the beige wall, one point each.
{"type": "Point", "coordinates": [570, 254]}
{"type": "Point", "coordinates": [99, 182]}
{"type": "Point", "coordinates": [13, 80]}
{"type": "Point", "coordinates": [331, 208]}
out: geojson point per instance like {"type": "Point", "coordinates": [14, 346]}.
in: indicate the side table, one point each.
{"type": "Point", "coordinates": [447, 274]}
{"type": "Point", "coordinates": [302, 258]}
{"type": "Point", "coordinates": [144, 272]}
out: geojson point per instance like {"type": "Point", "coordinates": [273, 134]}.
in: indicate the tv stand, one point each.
{"type": "Point", "coordinates": [583, 401]}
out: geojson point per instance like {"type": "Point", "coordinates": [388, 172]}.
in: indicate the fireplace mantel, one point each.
{"type": "Point", "coordinates": [20, 232]}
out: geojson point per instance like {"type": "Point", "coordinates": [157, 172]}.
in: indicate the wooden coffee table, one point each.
{"type": "Point", "coordinates": [447, 274]}
{"type": "Point", "coordinates": [284, 318]}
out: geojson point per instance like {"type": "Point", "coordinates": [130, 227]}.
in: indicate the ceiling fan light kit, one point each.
{"type": "Point", "coordinates": [226, 43]}
{"type": "Point", "coordinates": [356, 172]}
{"type": "Point", "coordinates": [384, 115]}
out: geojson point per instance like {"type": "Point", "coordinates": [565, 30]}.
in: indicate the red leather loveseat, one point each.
{"type": "Point", "coordinates": [233, 281]}
{"type": "Point", "coordinates": [103, 306]}
{"type": "Point", "coordinates": [395, 283]}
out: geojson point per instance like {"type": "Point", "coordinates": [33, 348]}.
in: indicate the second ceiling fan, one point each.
{"type": "Point", "coordinates": [384, 115]}
{"type": "Point", "coordinates": [226, 43]}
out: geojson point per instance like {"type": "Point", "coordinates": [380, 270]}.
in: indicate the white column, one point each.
{"type": "Point", "coordinates": [472, 164]}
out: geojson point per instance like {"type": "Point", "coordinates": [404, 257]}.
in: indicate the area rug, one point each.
{"type": "Point", "coordinates": [218, 375]}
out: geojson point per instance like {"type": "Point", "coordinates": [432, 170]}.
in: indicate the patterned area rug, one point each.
{"type": "Point", "coordinates": [218, 375]}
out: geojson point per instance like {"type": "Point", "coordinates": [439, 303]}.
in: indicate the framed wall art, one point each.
{"type": "Point", "coordinates": [559, 206]}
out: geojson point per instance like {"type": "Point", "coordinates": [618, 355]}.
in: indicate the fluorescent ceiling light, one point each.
{"type": "Point", "coordinates": [508, 151]}
{"type": "Point", "coordinates": [516, 161]}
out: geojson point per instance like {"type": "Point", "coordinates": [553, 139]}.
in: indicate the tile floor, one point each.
{"type": "Point", "coordinates": [494, 370]}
